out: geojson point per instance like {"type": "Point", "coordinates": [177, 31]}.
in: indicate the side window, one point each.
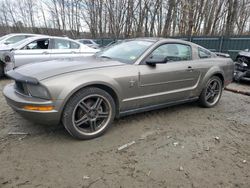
{"type": "Point", "coordinates": [15, 39]}
{"type": "Point", "coordinates": [74, 45]}
{"type": "Point", "coordinates": [37, 45]}
{"type": "Point", "coordinates": [62, 44]}
{"type": "Point", "coordinates": [173, 52]}
{"type": "Point", "coordinates": [204, 53]}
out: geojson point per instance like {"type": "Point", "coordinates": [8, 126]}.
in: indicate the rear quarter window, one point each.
{"type": "Point", "coordinates": [204, 53]}
{"type": "Point", "coordinates": [74, 45]}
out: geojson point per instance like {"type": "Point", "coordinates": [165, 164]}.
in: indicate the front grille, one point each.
{"type": "Point", "coordinates": [21, 88]}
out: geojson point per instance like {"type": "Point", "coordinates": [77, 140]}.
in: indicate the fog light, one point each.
{"type": "Point", "coordinates": [39, 108]}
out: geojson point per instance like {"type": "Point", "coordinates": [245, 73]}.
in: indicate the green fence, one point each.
{"type": "Point", "coordinates": [230, 45]}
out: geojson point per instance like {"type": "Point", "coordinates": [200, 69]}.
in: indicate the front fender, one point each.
{"type": "Point", "coordinates": [61, 89]}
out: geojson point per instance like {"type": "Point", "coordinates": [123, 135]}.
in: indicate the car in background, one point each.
{"type": "Point", "coordinates": [112, 43]}
{"type": "Point", "coordinates": [134, 76]}
{"type": "Point", "coordinates": [89, 42]}
{"type": "Point", "coordinates": [242, 66]}
{"type": "Point", "coordinates": [14, 38]}
{"type": "Point", "coordinates": [41, 48]}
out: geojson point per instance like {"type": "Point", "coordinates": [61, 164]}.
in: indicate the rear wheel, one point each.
{"type": "Point", "coordinates": [1, 70]}
{"type": "Point", "coordinates": [212, 92]}
{"type": "Point", "coordinates": [89, 113]}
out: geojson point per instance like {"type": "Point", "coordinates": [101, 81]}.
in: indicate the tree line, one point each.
{"type": "Point", "coordinates": [126, 18]}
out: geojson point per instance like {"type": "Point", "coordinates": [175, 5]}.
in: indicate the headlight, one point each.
{"type": "Point", "coordinates": [38, 91]}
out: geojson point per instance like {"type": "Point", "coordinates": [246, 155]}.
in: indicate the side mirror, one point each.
{"type": "Point", "coordinates": [6, 43]}
{"type": "Point", "coordinates": [246, 50]}
{"type": "Point", "coordinates": [156, 60]}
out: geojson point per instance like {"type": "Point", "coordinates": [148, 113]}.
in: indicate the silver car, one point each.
{"type": "Point", "coordinates": [14, 38]}
{"type": "Point", "coordinates": [132, 76]}
{"type": "Point", "coordinates": [42, 48]}
{"type": "Point", "coordinates": [89, 42]}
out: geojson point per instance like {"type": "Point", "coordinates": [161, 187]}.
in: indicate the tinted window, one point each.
{"type": "Point", "coordinates": [203, 53]}
{"type": "Point", "coordinates": [61, 44]}
{"type": "Point", "coordinates": [37, 45]}
{"type": "Point", "coordinates": [14, 39]}
{"type": "Point", "coordinates": [74, 45]}
{"type": "Point", "coordinates": [173, 52]}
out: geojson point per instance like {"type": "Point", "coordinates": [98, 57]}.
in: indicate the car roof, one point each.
{"type": "Point", "coordinates": [47, 36]}
{"type": "Point", "coordinates": [17, 34]}
{"type": "Point", "coordinates": [170, 40]}
{"type": "Point", "coordinates": [84, 39]}
{"type": "Point", "coordinates": [33, 38]}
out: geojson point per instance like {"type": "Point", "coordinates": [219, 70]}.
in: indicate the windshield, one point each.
{"type": "Point", "coordinates": [4, 37]}
{"type": "Point", "coordinates": [20, 43]}
{"type": "Point", "coordinates": [126, 52]}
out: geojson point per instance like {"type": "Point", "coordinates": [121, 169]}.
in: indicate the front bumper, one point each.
{"type": "Point", "coordinates": [18, 102]}
{"type": "Point", "coordinates": [241, 75]}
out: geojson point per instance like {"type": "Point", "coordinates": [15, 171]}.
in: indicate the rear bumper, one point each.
{"type": "Point", "coordinates": [17, 102]}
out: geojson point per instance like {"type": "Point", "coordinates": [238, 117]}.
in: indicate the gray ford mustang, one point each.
{"type": "Point", "coordinates": [136, 75]}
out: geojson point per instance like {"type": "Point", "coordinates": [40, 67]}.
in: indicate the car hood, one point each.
{"type": "Point", "coordinates": [4, 47]}
{"type": "Point", "coordinates": [48, 69]}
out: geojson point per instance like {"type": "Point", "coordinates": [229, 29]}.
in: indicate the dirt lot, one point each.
{"type": "Point", "coordinates": [182, 146]}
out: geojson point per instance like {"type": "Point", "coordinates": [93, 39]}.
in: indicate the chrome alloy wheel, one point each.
{"type": "Point", "coordinates": [213, 91]}
{"type": "Point", "coordinates": [92, 114]}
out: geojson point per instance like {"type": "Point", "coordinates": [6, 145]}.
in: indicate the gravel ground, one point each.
{"type": "Point", "coordinates": [181, 146]}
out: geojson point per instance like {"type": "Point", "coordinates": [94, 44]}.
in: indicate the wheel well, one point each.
{"type": "Point", "coordinates": [221, 77]}
{"type": "Point", "coordinates": [1, 68]}
{"type": "Point", "coordinates": [1, 63]}
{"type": "Point", "coordinates": [110, 91]}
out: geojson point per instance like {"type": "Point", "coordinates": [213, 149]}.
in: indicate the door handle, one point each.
{"type": "Point", "coordinates": [190, 69]}
{"type": "Point", "coordinates": [73, 52]}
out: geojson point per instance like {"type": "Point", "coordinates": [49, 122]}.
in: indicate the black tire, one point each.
{"type": "Point", "coordinates": [83, 112]}
{"type": "Point", "coordinates": [1, 70]}
{"type": "Point", "coordinates": [211, 96]}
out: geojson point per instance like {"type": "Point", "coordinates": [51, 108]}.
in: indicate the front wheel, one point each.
{"type": "Point", "coordinates": [212, 92]}
{"type": "Point", "coordinates": [89, 113]}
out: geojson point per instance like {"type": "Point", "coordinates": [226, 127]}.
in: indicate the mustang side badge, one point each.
{"type": "Point", "coordinates": [131, 82]}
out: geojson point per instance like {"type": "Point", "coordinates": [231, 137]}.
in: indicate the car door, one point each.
{"type": "Point", "coordinates": [63, 48]}
{"type": "Point", "coordinates": [170, 81]}
{"type": "Point", "coordinates": [36, 51]}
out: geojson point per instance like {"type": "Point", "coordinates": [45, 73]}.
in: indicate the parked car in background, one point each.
{"type": "Point", "coordinates": [242, 66]}
{"type": "Point", "coordinates": [133, 76]}
{"type": "Point", "coordinates": [14, 38]}
{"type": "Point", "coordinates": [112, 43]}
{"type": "Point", "coordinates": [89, 42]}
{"type": "Point", "coordinates": [44, 48]}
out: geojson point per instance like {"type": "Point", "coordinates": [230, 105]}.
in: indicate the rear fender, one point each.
{"type": "Point", "coordinates": [212, 72]}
